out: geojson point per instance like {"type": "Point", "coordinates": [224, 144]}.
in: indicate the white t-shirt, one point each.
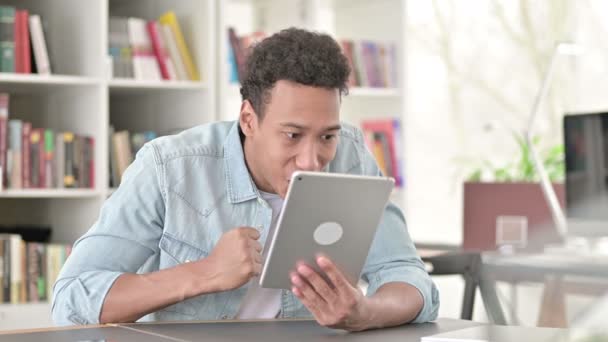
{"type": "Point", "coordinates": [260, 303]}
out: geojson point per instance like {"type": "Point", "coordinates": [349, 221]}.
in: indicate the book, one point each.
{"type": "Point", "coordinates": [4, 99]}
{"type": "Point", "coordinates": [176, 59]}
{"type": "Point", "coordinates": [233, 72]}
{"type": "Point", "coordinates": [49, 149]}
{"type": "Point", "coordinates": [160, 51]}
{"type": "Point", "coordinates": [119, 48]}
{"type": "Point", "coordinates": [237, 51]}
{"type": "Point", "coordinates": [145, 66]}
{"type": "Point", "coordinates": [170, 20]}
{"type": "Point", "coordinates": [22, 43]}
{"type": "Point", "coordinates": [15, 128]}
{"type": "Point", "coordinates": [7, 39]}
{"type": "Point", "coordinates": [25, 158]}
{"type": "Point", "coordinates": [391, 129]}
{"type": "Point", "coordinates": [6, 282]}
{"type": "Point", "coordinates": [59, 161]}
{"type": "Point", "coordinates": [124, 157]}
{"type": "Point", "coordinates": [347, 50]}
{"type": "Point", "coordinates": [2, 295]}
{"type": "Point", "coordinates": [39, 45]}
{"type": "Point", "coordinates": [37, 158]}
{"type": "Point", "coordinates": [90, 161]}
{"type": "Point", "coordinates": [15, 269]}
{"type": "Point", "coordinates": [68, 176]}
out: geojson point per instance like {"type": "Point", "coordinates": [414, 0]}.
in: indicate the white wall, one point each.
{"type": "Point", "coordinates": [473, 70]}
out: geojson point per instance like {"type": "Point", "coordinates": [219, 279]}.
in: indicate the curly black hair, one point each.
{"type": "Point", "coordinates": [297, 55]}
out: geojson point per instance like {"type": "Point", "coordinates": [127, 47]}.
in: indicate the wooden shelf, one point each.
{"type": "Point", "coordinates": [49, 193]}
{"type": "Point", "coordinates": [132, 86]}
{"type": "Point", "coordinates": [28, 83]}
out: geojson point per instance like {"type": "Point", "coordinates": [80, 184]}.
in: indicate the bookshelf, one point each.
{"type": "Point", "coordinates": [379, 21]}
{"type": "Point", "coordinates": [81, 96]}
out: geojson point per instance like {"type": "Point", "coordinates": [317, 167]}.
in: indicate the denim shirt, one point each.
{"type": "Point", "coordinates": [174, 203]}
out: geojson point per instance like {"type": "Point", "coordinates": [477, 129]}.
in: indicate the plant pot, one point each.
{"type": "Point", "coordinates": [486, 205]}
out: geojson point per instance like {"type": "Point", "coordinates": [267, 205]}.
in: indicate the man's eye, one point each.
{"type": "Point", "coordinates": [328, 137]}
{"type": "Point", "coordinates": [292, 136]}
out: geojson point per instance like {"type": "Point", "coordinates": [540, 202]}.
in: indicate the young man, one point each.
{"type": "Point", "coordinates": [181, 239]}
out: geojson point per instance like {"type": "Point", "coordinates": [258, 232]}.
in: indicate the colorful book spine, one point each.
{"type": "Point", "coordinates": [25, 162]}
{"type": "Point", "coordinates": [170, 19]}
{"type": "Point", "coordinates": [7, 39]}
{"type": "Point", "coordinates": [15, 128]}
{"type": "Point", "coordinates": [4, 98]}
{"type": "Point", "coordinates": [91, 162]}
{"type": "Point", "coordinates": [390, 148]}
{"type": "Point", "coordinates": [68, 178]}
{"type": "Point", "coordinates": [23, 61]}
{"type": "Point", "coordinates": [6, 282]}
{"type": "Point", "coordinates": [37, 158]}
{"type": "Point", "coordinates": [49, 149]}
{"type": "Point", "coordinates": [145, 66]}
{"type": "Point", "coordinates": [59, 161]}
{"type": "Point", "coordinates": [16, 266]}
{"type": "Point", "coordinates": [176, 59]}
{"type": "Point", "coordinates": [160, 51]}
{"type": "Point", "coordinates": [39, 45]}
{"type": "Point", "coordinates": [2, 275]}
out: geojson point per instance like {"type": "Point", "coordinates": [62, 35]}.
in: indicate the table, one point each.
{"type": "Point", "coordinates": [264, 330]}
{"type": "Point", "coordinates": [560, 272]}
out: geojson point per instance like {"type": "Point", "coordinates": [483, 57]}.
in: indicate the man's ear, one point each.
{"type": "Point", "coordinates": [248, 120]}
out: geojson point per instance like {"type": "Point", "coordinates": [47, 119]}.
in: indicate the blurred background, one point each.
{"type": "Point", "coordinates": [443, 90]}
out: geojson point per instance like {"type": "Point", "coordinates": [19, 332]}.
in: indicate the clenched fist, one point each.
{"type": "Point", "coordinates": [236, 258]}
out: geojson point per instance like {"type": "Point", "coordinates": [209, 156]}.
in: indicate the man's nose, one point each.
{"type": "Point", "coordinates": [308, 159]}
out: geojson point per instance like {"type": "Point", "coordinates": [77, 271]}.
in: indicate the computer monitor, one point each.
{"type": "Point", "coordinates": [586, 152]}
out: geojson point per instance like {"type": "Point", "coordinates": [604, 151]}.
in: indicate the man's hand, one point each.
{"type": "Point", "coordinates": [236, 258]}
{"type": "Point", "coordinates": [338, 304]}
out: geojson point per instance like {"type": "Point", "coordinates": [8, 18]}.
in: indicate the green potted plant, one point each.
{"type": "Point", "coordinates": [512, 190]}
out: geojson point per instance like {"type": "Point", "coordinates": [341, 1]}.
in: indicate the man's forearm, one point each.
{"type": "Point", "coordinates": [393, 304]}
{"type": "Point", "coordinates": [133, 296]}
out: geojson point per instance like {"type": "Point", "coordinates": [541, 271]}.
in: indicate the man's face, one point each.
{"type": "Point", "coordinates": [299, 131]}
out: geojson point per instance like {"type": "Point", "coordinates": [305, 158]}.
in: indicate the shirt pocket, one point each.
{"type": "Point", "coordinates": [178, 252]}
{"type": "Point", "coordinates": [174, 252]}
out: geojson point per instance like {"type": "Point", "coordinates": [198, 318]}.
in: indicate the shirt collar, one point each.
{"type": "Point", "coordinates": [240, 186]}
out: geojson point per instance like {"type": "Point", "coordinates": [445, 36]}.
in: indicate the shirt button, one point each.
{"type": "Point", "coordinates": [260, 228]}
{"type": "Point", "coordinates": [225, 317]}
{"type": "Point", "coordinates": [187, 261]}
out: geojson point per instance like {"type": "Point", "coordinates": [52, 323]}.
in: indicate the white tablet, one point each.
{"type": "Point", "coordinates": [329, 213]}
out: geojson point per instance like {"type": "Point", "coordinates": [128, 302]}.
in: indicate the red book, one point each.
{"type": "Point", "coordinates": [347, 50]}
{"type": "Point", "coordinates": [392, 131]}
{"type": "Point", "coordinates": [25, 160]}
{"type": "Point", "coordinates": [91, 161]}
{"type": "Point", "coordinates": [159, 49]}
{"type": "Point", "coordinates": [17, 32]}
{"type": "Point", "coordinates": [22, 43]}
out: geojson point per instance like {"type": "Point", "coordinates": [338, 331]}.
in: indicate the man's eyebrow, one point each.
{"type": "Point", "coordinates": [334, 128]}
{"type": "Point", "coordinates": [304, 128]}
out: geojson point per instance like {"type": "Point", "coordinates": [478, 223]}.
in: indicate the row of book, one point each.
{"type": "Point", "coordinates": [373, 64]}
{"type": "Point", "coordinates": [22, 44]}
{"type": "Point", "coordinates": [150, 50]}
{"type": "Point", "coordinates": [238, 50]}
{"type": "Point", "coordinates": [41, 158]}
{"type": "Point", "coordinates": [28, 270]}
{"type": "Point", "coordinates": [124, 146]}
{"type": "Point", "coordinates": [383, 139]}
